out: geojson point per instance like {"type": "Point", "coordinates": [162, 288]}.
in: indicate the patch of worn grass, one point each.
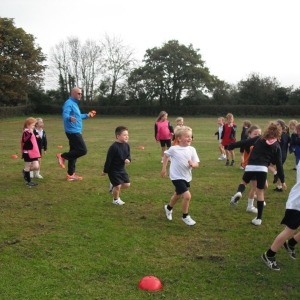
{"type": "Point", "coordinates": [66, 240]}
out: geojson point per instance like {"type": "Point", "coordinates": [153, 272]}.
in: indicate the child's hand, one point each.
{"type": "Point", "coordinates": [73, 119]}
{"type": "Point", "coordinates": [163, 173]}
{"type": "Point", "coordinates": [103, 174]}
{"type": "Point", "coordinates": [190, 163]}
{"type": "Point", "coordinates": [45, 152]}
{"type": "Point", "coordinates": [127, 161]}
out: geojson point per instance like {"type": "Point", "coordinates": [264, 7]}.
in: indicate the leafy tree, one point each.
{"type": "Point", "coordinates": [171, 73]}
{"type": "Point", "coordinates": [21, 63]}
{"type": "Point", "coordinates": [257, 90]}
{"type": "Point", "coordinates": [295, 97]}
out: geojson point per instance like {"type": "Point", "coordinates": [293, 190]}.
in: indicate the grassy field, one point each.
{"type": "Point", "coordinates": [66, 240]}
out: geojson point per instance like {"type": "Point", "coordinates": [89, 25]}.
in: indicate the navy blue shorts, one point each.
{"type": "Point", "coordinates": [259, 176]}
{"type": "Point", "coordinates": [117, 178]}
{"type": "Point", "coordinates": [27, 158]}
{"type": "Point", "coordinates": [291, 218]}
{"type": "Point", "coordinates": [181, 186]}
{"type": "Point", "coordinates": [164, 143]}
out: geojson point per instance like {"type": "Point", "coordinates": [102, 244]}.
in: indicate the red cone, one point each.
{"type": "Point", "coordinates": [150, 283]}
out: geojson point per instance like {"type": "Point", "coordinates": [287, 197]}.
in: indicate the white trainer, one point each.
{"type": "Point", "coordinates": [188, 221]}
{"type": "Point", "coordinates": [168, 213]}
{"type": "Point", "coordinates": [118, 202]}
{"type": "Point", "coordinates": [252, 209]}
{"type": "Point", "coordinates": [39, 176]}
{"type": "Point", "coordinates": [222, 157]}
{"type": "Point", "coordinates": [256, 222]}
{"type": "Point", "coordinates": [235, 199]}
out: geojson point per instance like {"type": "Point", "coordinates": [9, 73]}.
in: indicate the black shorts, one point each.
{"type": "Point", "coordinates": [259, 176]}
{"type": "Point", "coordinates": [291, 218]}
{"type": "Point", "coordinates": [181, 186]}
{"type": "Point", "coordinates": [242, 149]}
{"type": "Point", "coordinates": [28, 159]}
{"type": "Point", "coordinates": [117, 178]}
{"type": "Point", "coordinates": [164, 143]}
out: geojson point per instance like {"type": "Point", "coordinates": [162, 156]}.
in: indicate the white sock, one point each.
{"type": "Point", "coordinates": [275, 173]}
{"type": "Point", "coordinates": [37, 172]}
{"type": "Point", "coordinates": [250, 202]}
{"type": "Point", "coordinates": [279, 187]}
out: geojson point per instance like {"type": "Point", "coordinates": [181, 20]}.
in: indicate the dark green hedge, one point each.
{"type": "Point", "coordinates": [201, 110]}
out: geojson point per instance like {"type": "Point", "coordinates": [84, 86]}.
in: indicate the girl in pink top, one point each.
{"type": "Point", "coordinates": [30, 150]}
{"type": "Point", "coordinates": [163, 132]}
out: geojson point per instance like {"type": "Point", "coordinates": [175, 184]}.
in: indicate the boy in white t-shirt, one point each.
{"type": "Point", "coordinates": [183, 159]}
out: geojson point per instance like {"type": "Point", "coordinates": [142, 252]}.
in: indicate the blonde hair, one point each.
{"type": "Point", "coordinates": [252, 128]}
{"type": "Point", "coordinates": [39, 120]}
{"type": "Point", "coordinates": [160, 115]}
{"type": "Point", "coordinates": [293, 122]}
{"type": "Point", "coordinates": [222, 119]}
{"type": "Point", "coordinates": [180, 130]}
{"type": "Point", "coordinates": [179, 119]}
{"type": "Point", "coordinates": [229, 116]}
{"type": "Point", "coordinates": [29, 121]}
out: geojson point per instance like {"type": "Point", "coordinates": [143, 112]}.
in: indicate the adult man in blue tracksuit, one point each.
{"type": "Point", "coordinates": [72, 118]}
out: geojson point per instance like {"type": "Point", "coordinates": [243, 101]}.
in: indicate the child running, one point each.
{"type": "Point", "coordinates": [228, 137]}
{"type": "Point", "coordinates": [41, 139]}
{"type": "Point", "coordinates": [30, 150]}
{"type": "Point", "coordinates": [163, 132]}
{"type": "Point", "coordinates": [118, 156]}
{"type": "Point", "coordinates": [184, 159]}
{"type": "Point", "coordinates": [292, 146]}
{"type": "Point", "coordinates": [292, 221]}
{"type": "Point", "coordinates": [266, 149]}
{"type": "Point", "coordinates": [219, 135]}
{"type": "Point", "coordinates": [253, 131]}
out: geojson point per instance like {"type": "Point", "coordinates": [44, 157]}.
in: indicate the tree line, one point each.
{"type": "Point", "coordinates": [109, 75]}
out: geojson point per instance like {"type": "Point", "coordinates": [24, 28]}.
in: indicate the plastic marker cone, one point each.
{"type": "Point", "coordinates": [142, 147]}
{"type": "Point", "coordinates": [59, 146]}
{"type": "Point", "coordinates": [150, 283]}
{"type": "Point", "coordinates": [14, 156]}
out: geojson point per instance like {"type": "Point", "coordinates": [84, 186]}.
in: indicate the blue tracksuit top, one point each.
{"type": "Point", "coordinates": [70, 109]}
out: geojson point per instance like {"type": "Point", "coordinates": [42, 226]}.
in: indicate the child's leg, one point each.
{"type": "Point", "coordinates": [250, 207]}
{"type": "Point", "coordinates": [242, 157]}
{"type": "Point", "coordinates": [116, 189]}
{"type": "Point", "coordinates": [282, 237]}
{"type": "Point", "coordinates": [232, 154]}
{"type": "Point", "coordinates": [186, 202]}
{"type": "Point", "coordinates": [163, 149]}
{"type": "Point", "coordinates": [260, 202]}
{"type": "Point", "coordinates": [174, 199]}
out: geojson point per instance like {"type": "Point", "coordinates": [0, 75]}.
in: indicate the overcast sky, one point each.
{"type": "Point", "coordinates": [235, 37]}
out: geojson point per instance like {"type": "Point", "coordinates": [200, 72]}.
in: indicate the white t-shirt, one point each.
{"type": "Point", "coordinates": [180, 168]}
{"type": "Point", "coordinates": [293, 201]}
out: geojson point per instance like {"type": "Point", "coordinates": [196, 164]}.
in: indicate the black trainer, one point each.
{"type": "Point", "coordinates": [232, 163]}
{"type": "Point", "coordinates": [227, 163]}
{"type": "Point", "coordinates": [270, 262]}
{"type": "Point", "coordinates": [277, 190]}
{"type": "Point", "coordinates": [31, 183]}
{"type": "Point", "coordinates": [289, 250]}
{"type": "Point", "coordinates": [275, 179]}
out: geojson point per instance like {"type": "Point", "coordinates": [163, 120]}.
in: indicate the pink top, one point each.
{"type": "Point", "coordinates": [163, 131]}
{"type": "Point", "coordinates": [29, 144]}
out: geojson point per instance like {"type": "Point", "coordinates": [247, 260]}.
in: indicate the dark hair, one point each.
{"type": "Point", "coordinates": [120, 129]}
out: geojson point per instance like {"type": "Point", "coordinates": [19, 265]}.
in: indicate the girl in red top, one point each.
{"type": "Point", "coordinates": [30, 150]}
{"type": "Point", "coordinates": [163, 132]}
{"type": "Point", "coordinates": [228, 137]}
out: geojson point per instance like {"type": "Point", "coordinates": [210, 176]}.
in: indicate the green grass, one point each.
{"type": "Point", "coordinates": [66, 240]}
